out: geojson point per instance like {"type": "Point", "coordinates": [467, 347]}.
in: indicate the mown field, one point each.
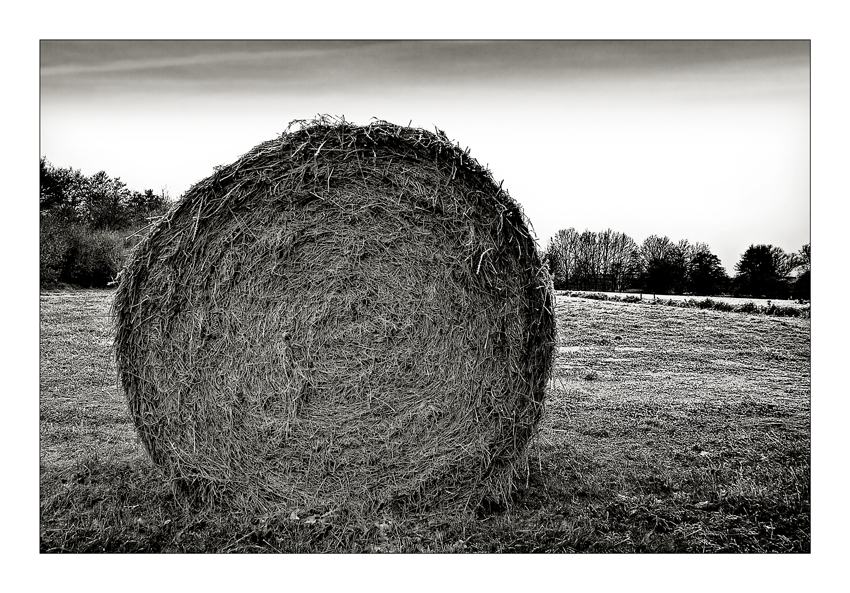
{"type": "Point", "coordinates": [666, 430]}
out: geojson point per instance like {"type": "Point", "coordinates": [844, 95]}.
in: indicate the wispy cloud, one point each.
{"type": "Point", "coordinates": [79, 67]}
{"type": "Point", "coordinates": [151, 65]}
{"type": "Point", "coordinates": [103, 61]}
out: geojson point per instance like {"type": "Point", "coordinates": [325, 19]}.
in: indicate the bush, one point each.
{"type": "Point", "coordinates": [52, 248]}
{"type": "Point", "coordinates": [94, 257]}
{"type": "Point", "coordinates": [784, 311]}
{"type": "Point", "coordinates": [73, 254]}
{"type": "Point", "coordinates": [803, 286]}
{"type": "Point", "coordinates": [748, 307]}
{"type": "Point", "coordinates": [596, 296]}
{"type": "Point", "coordinates": [707, 303]}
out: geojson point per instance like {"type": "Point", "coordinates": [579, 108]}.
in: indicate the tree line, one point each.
{"type": "Point", "coordinates": [611, 261]}
{"type": "Point", "coordinates": [98, 201]}
{"type": "Point", "coordinates": [88, 224]}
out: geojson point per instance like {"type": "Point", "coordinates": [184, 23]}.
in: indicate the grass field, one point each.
{"type": "Point", "coordinates": [666, 430]}
{"type": "Point", "coordinates": [679, 297]}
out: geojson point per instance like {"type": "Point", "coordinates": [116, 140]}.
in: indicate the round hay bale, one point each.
{"type": "Point", "coordinates": [344, 316]}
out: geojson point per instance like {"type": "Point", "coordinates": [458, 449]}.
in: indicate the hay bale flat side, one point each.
{"type": "Point", "coordinates": [347, 315]}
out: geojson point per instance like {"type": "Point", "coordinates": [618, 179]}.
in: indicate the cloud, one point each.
{"type": "Point", "coordinates": [122, 67]}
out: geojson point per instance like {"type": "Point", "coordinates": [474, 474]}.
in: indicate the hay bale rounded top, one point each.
{"type": "Point", "coordinates": [347, 315]}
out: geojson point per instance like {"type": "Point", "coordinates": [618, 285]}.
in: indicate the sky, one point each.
{"type": "Point", "coordinates": [700, 140]}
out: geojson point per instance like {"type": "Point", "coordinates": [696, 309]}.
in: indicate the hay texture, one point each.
{"type": "Point", "coordinates": [346, 315]}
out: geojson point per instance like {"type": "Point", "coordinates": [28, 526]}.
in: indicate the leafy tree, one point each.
{"type": "Point", "coordinates": [803, 258]}
{"type": "Point", "coordinates": [97, 202]}
{"type": "Point", "coordinates": [84, 222]}
{"type": "Point", "coordinates": [784, 262]}
{"type": "Point", "coordinates": [105, 202]}
{"type": "Point", "coordinates": [50, 195]}
{"type": "Point", "coordinates": [706, 276]}
{"type": "Point", "coordinates": [62, 191]}
{"type": "Point", "coordinates": [142, 207]}
{"type": "Point", "coordinates": [664, 265]}
{"type": "Point", "coordinates": [635, 270]}
{"type": "Point", "coordinates": [803, 284]}
{"type": "Point", "coordinates": [761, 272]}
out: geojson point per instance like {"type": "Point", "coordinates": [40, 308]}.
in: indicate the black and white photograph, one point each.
{"type": "Point", "coordinates": [425, 296]}
{"type": "Point", "coordinates": [417, 303]}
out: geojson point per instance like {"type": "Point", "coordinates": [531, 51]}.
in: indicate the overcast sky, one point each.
{"type": "Point", "coordinates": [705, 141]}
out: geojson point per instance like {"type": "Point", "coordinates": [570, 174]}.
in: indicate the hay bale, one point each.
{"type": "Point", "coordinates": [344, 316]}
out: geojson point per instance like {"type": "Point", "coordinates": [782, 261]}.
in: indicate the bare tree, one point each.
{"type": "Point", "coordinates": [605, 251]}
{"type": "Point", "coordinates": [586, 260]}
{"type": "Point", "coordinates": [621, 252]}
{"type": "Point", "coordinates": [564, 245]}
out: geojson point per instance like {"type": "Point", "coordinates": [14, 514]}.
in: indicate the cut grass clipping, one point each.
{"type": "Point", "coordinates": [346, 316]}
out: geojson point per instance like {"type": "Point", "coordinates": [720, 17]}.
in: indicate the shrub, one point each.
{"type": "Point", "coordinates": [53, 250]}
{"type": "Point", "coordinates": [803, 286]}
{"type": "Point", "coordinates": [93, 257]}
{"type": "Point", "coordinates": [71, 253]}
{"type": "Point", "coordinates": [748, 307]}
{"type": "Point", "coordinates": [595, 296]}
{"type": "Point", "coordinates": [785, 311]}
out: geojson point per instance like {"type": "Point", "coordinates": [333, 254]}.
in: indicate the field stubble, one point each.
{"type": "Point", "coordinates": [666, 430]}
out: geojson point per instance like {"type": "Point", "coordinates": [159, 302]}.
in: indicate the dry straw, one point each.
{"type": "Point", "coordinates": [345, 316]}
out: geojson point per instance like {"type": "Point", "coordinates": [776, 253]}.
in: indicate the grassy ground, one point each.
{"type": "Point", "coordinates": [648, 296]}
{"type": "Point", "coordinates": [667, 430]}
